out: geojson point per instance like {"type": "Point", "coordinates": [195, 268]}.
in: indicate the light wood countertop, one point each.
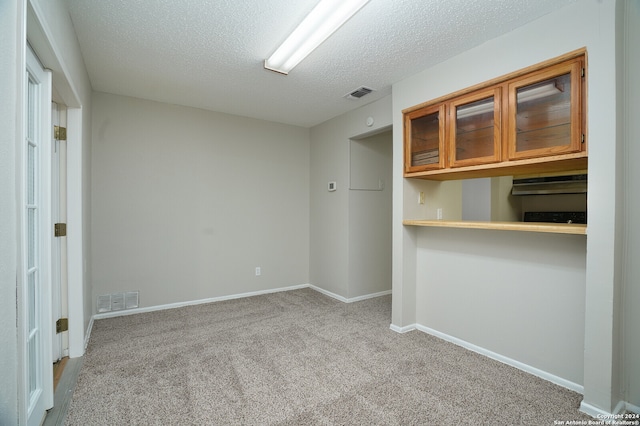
{"type": "Point", "coordinates": [555, 228]}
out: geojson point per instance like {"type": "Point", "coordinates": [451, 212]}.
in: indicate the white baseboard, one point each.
{"type": "Point", "coordinates": [330, 294]}
{"type": "Point", "coordinates": [604, 415]}
{"type": "Point", "coordinates": [369, 296]}
{"type": "Point", "coordinates": [621, 407]}
{"type": "Point", "coordinates": [87, 335]}
{"type": "Point", "coordinates": [404, 329]}
{"type": "Point", "coordinates": [633, 408]}
{"type": "Point", "coordinates": [512, 362]}
{"type": "Point", "coordinates": [352, 299]}
{"type": "Point", "coordinates": [195, 302]}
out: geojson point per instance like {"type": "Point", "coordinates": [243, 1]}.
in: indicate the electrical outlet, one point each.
{"type": "Point", "coordinates": [439, 214]}
{"type": "Point", "coordinates": [258, 271]}
{"type": "Point", "coordinates": [421, 198]}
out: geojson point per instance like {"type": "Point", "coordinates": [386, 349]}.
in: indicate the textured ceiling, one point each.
{"type": "Point", "coordinates": [209, 53]}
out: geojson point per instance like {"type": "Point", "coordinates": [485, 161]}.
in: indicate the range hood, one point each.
{"type": "Point", "coordinates": [567, 184]}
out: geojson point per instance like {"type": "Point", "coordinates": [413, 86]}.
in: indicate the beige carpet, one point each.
{"type": "Point", "coordinates": [297, 358]}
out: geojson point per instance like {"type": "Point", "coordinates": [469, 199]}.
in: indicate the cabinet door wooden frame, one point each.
{"type": "Point", "coordinates": [490, 131]}
{"type": "Point", "coordinates": [572, 69]}
{"type": "Point", "coordinates": [417, 143]}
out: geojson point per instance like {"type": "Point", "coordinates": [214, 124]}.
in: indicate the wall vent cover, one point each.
{"type": "Point", "coordinates": [131, 299]}
{"type": "Point", "coordinates": [117, 301]}
{"type": "Point", "coordinates": [359, 92]}
{"type": "Point", "coordinates": [104, 303]}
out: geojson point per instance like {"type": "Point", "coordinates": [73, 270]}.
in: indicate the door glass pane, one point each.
{"type": "Point", "coordinates": [544, 114]}
{"type": "Point", "coordinates": [31, 235]}
{"type": "Point", "coordinates": [31, 174]}
{"type": "Point", "coordinates": [32, 300]}
{"type": "Point", "coordinates": [425, 140]}
{"type": "Point", "coordinates": [474, 129]}
{"type": "Point", "coordinates": [31, 98]}
{"type": "Point", "coordinates": [32, 348]}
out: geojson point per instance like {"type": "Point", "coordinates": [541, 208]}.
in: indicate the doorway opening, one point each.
{"type": "Point", "coordinates": [370, 209]}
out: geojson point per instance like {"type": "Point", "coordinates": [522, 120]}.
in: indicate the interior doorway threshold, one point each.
{"type": "Point", "coordinates": [63, 392]}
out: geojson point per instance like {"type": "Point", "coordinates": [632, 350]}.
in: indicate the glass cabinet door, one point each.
{"type": "Point", "coordinates": [545, 112]}
{"type": "Point", "coordinates": [475, 128]}
{"type": "Point", "coordinates": [424, 139]}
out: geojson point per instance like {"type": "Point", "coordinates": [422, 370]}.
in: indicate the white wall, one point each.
{"type": "Point", "coordinates": [504, 206]}
{"type": "Point", "coordinates": [500, 291]}
{"type": "Point", "coordinates": [329, 223]}
{"type": "Point", "coordinates": [476, 199]}
{"type": "Point", "coordinates": [370, 215]}
{"type": "Point", "coordinates": [11, 17]}
{"type": "Point", "coordinates": [187, 203]}
{"type": "Point", "coordinates": [586, 23]}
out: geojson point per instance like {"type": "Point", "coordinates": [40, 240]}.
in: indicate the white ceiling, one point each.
{"type": "Point", "coordinates": [209, 53]}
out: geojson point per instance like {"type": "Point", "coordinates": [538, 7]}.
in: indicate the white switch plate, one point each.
{"type": "Point", "coordinates": [258, 271]}
{"type": "Point", "coordinates": [439, 214]}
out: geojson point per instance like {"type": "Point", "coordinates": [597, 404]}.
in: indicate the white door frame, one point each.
{"type": "Point", "coordinates": [41, 36]}
{"type": "Point", "coordinates": [56, 261]}
{"type": "Point", "coordinates": [34, 296]}
{"type": "Point", "coordinates": [60, 348]}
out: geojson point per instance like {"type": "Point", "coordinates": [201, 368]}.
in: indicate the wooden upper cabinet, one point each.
{"type": "Point", "coordinates": [545, 112]}
{"type": "Point", "coordinates": [530, 121]}
{"type": "Point", "coordinates": [474, 128]}
{"type": "Point", "coordinates": [424, 133]}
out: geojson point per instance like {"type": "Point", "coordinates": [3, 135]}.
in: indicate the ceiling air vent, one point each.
{"type": "Point", "coordinates": [358, 93]}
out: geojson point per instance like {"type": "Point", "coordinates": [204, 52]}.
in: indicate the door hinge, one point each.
{"type": "Point", "coordinates": [60, 133]}
{"type": "Point", "coordinates": [62, 325]}
{"type": "Point", "coordinates": [60, 230]}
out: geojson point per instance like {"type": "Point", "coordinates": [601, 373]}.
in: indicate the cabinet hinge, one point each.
{"type": "Point", "coordinates": [62, 325]}
{"type": "Point", "coordinates": [60, 230]}
{"type": "Point", "coordinates": [60, 133]}
{"type": "Point", "coordinates": [583, 138]}
{"type": "Point", "coordinates": [582, 72]}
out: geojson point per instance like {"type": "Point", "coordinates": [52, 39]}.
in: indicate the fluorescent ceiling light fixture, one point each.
{"type": "Point", "coordinates": [531, 94]}
{"type": "Point", "coordinates": [538, 92]}
{"type": "Point", "coordinates": [324, 20]}
{"type": "Point", "coordinates": [468, 111]}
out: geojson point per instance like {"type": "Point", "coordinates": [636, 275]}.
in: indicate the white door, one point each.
{"type": "Point", "coordinates": [59, 290]}
{"type": "Point", "coordinates": [35, 283]}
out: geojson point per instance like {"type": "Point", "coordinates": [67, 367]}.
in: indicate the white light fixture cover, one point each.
{"type": "Point", "coordinates": [538, 92]}
{"type": "Point", "coordinates": [468, 111]}
{"type": "Point", "coordinates": [543, 91]}
{"type": "Point", "coordinates": [324, 20]}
